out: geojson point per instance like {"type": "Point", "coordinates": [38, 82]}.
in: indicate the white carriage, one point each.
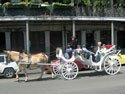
{"type": "Point", "coordinates": [69, 70]}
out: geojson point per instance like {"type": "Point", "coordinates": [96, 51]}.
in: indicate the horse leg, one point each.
{"type": "Point", "coordinates": [17, 76]}
{"type": "Point", "coordinates": [26, 74]}
{"type": "Point", "coordinates": [51, 70]}
{"type": "Point", "coordinates": [42, 70]}
{"type": "Point", "coordinates": [17, 72]}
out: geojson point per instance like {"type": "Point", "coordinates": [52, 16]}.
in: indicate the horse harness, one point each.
{"type": "Point", "coordinates": [21, 57]}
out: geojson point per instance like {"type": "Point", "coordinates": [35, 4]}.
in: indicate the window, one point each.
{"type": "Point", "coordinates": [1, 58]}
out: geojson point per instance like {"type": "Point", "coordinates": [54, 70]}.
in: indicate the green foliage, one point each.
{"type": "Point", "coordinates": [101, 3]}
{"type": "Point", "coordinates": [23, 5]}
{"type": "Point", "coordinates": [78, 1]}
{"type": "Point", "coordinates": [107, 3]}
{"type": "Point", "coordinates": [119, 3]}
{"type": "Point", "coordinates": [15, 5]}
{"type": "Point", "coordinates": [62, 5]}
{"type": "Point", "coordinates": [87, 2]}
{"type": "Point", "coordinates": [66, 1]}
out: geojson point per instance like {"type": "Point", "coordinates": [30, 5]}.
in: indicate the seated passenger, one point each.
{"type": "Point", "coordinates": [68, 52]}
{"type": "Point", "coordinates": [97, 55]}
{"type": "Point", "coordinates": [78, 50]}
{"type": "Point", "coordinates": [86, 52]}
{"type": "Point", "coordinates": [103, 49]}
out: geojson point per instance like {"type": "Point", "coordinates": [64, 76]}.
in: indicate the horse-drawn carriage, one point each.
{"type": "Point", "coordinates": [68, 69]}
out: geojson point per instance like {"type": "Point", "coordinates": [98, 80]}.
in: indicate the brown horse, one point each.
{"type": "Point", "coordinates": [24, 61]}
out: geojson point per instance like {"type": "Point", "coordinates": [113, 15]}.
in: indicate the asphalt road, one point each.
{"type": "Point", "coordinates": [87, 82]}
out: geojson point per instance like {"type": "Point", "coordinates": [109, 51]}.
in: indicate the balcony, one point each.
{"type": "Point", "coordinates": [25, 10]}
{"type": "Point", "coordinates": [57, 10]}
{"type": "Point", "coordinates": [63, 10]}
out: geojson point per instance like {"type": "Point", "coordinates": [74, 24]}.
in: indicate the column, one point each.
{"type": "Point", "coordinates": [83, 37]}
{"type": "Point", "coordinates": [24, 34]}
{"type": "Point", "coordinates": [27, 38]}
{"type": "Point", "coordinates": [97, 37]}
{"type": "Point", "coordinates": [8, 40]}
{"type": "Point", "coordinates": [112, 33]}
{"type": "Point", "coordinates": [63, 40]}
{"type": "Point", "coordinates": [115, 36]}
{"type": "Point", "coordinates": [47, 42]}
{"type": "Point", "coordinates": [73, 28]}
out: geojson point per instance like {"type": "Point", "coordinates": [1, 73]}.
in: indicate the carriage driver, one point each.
{"type": "Point", "coordinates": [20, 55]}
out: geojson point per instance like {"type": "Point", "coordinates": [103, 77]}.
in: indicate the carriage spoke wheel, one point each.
{"type": "Point", "coordinates": [57, 69]}
{"type": "Point", "coordinates": [112, 66]}
{"type": "Point", "coordinates": [69, 70]}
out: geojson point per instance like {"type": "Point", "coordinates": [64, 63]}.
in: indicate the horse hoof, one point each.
{"type": "Point", "coordinates": [17, 80]}
{"type": "Point", "coordinates": [38, 79]}
{"type": "Point", "coordinates": [26, 80]}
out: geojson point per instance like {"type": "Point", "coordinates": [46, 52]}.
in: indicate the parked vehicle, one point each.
{"type": "Point", "coordinates": [7, 69]}
{"type": "Point", "coordinates": [121, 56]}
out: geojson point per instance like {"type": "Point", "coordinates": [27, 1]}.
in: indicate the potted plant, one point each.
{"type": "Point", "coordinates": [15, 9]}
{"type": "Point", "coordinates": [38, 9]}
{"type": "Point", "coordinates": [60, 9]}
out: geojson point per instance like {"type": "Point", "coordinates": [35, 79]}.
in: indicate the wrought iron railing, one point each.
{"type": "Point", "coordinates": [62, 11]}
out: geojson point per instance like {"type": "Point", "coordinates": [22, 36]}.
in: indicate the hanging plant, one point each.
{"type": "Point", "coordinates": [87, 2]}
{"type": "Point", "coordinates": [15, 5]}
{"type": "Point", "coordinates": [60, 5]}
{"type": "Point", "coordinates": [66, 1]}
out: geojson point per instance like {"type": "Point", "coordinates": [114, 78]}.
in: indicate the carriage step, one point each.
{"type": "Point", "coordinates": [42, 64]}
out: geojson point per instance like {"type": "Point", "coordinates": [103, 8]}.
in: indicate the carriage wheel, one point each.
{"type": "Point", "coordinates": [112, 65]}
{"type": "Point", "coordinates": [57, 68]}
{"type": "Point", "coordinates": [69, 70]}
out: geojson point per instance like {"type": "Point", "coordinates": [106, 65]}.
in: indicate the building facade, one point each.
{"type": "Point", "coordinates": [39, 29]}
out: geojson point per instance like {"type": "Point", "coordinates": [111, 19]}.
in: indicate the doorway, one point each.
{"type": "Point", "coordinates": [2, 42]}
{"type": "Point", "coordinates": [17, 41]}
{"type": "Point", "coordinates": [55, 41]}
{"type": "Point", "coordinates": [37, 42]}
{"type": "Point", "coordinates": [89, 39]}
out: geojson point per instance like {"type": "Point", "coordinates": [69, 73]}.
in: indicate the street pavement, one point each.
{"type": "Point", "coordinates": [87, 82]}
